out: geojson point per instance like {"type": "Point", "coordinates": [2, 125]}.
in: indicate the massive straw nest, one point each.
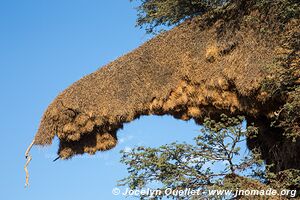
{"type": "Point", "coordinates": [203, 67]}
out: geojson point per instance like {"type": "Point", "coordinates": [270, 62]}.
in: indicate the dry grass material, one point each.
{"type": "Point", "coordinates": [192, 71]}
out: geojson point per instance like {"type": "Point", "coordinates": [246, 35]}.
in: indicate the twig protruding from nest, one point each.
{"type": "Point", "coordinates": [28, 157]}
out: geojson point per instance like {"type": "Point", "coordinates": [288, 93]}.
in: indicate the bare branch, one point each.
{"type": "Point", "coordinates": [29, 158]}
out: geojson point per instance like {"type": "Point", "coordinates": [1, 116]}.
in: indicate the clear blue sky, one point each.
{"type": "Point", "coordinates": [45, 45]}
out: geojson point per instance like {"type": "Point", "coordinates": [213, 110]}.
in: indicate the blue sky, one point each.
{"type": "Point", "coordinates": [45, 45]}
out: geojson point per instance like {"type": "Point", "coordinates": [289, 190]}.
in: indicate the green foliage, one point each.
{"type": "Point", "coordinates": [285, 179]}
{"type": "Point", "coordinates": [288, 116]}
{"type": "Point", "coordinates": [284, 83]}
{"type": "Point", "coordinates": [155, 13]}
{"type": "Point", "coordinates": [286, 9]}
{"type": "Point", "coordinates": [215, 155]}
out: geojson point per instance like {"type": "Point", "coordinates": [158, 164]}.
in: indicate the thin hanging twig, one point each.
{"type": "Point", "coordinates": [56, 158]}
{"type": "Point", "coordinates": [28, 157]}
